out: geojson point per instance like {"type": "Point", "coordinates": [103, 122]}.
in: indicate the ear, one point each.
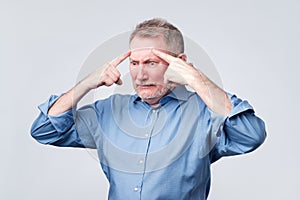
{"type": "Point", "coordinates": [182, 56]}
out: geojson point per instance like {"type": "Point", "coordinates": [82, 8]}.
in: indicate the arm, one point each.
{"type": "Point", "coordinates": [105, 75]}
{"type": "Point", "coordinates": [183, 73]}
{"type": "Point", "coordinates": [56, 123]}
{"type": "Point", "coordinates": [239, 130]}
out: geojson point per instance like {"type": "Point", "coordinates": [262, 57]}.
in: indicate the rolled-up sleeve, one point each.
{"type": "Point", "coordinates": [242, 131]}
{"type": "Point", "coordinates": [60, 130]}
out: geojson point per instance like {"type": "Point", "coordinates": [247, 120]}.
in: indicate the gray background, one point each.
{"type": "Point", "coordinates": [255, 47]}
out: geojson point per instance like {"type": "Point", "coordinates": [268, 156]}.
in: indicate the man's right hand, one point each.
{"type": "Point", "coordinates": [107, 74]}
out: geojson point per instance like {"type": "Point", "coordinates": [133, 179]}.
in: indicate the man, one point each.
{"type": "Point", "coordinates": [160, 142]}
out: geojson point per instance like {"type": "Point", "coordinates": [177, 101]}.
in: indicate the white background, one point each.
{"type": "Point", "coordinates": [255, 47]}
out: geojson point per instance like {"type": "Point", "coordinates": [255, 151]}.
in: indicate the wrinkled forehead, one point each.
{"type": "Point", "coordinates": [140, 43]}
{"type": "Point", "coordinates": [142, 46]}
{"type": "Point", "coordinates": [139, 53]}
{"type": "Point", "coordinates": [146, 53]}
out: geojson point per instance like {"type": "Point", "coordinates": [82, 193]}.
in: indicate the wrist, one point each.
{"type": "Point", "coordinates": [195, 80]}
{"type": "Point", "coordinates": [85, 85]}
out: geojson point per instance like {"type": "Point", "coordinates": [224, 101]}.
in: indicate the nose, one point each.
{"type": "Point", "coordinates": [142, 73]}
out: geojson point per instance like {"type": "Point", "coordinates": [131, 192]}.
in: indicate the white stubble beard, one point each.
{"type": "Point", "coordinates": [161, 93]}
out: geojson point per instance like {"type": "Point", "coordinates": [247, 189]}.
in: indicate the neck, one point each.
{"type": "Point", "coordinates": [153, 102]}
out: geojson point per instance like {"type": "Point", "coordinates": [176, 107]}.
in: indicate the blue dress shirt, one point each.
{"type": "Point", "coordinates": [154, 153]}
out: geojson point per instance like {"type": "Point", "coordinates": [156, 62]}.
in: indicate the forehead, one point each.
{"type": "Point", "coordinates": [141, 47]}
{"type": "Point", "coordinates": [143, 54]}
{"type": "Point", "coordinates": [141, 42]}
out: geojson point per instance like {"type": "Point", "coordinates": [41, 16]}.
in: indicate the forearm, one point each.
{"type": "Point", "coordinates": [212, 95]}
{"type": "Point", "coordinates": [69, 99]}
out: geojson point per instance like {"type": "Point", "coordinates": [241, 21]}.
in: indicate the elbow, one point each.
{"type": "Point", "coordinates": [37, 134]}
{"type": "Point", "coordinates": [257, 137]}
{"type": "Point", "coordinates": [249, 137]}
{"type": "Point", "coordinates": [34, 131]}
{"type": "Point", "coordinates": [255, 131]}
{"type": "Point", "coordinates": [42, 132]}
{"type": "Point", "coordinates": [41, 137]}
{"type": "Point", "coordinates": [260, 133]}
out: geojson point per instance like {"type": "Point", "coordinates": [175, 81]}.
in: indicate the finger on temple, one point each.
{"type": "Point", "coordinates": [120, 59]}
{"type": "Point", "coordinates": [168, 58]}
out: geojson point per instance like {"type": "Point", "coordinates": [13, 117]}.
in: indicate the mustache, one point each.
{"type": "Point", "coordinates": [147, 83]}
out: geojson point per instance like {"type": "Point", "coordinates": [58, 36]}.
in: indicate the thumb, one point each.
{"type": "Point", "coordinates": [119, 82]}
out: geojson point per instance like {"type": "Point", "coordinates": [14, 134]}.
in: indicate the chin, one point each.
{"type": "Point", "coordinates": [152, 95]}
{"type": "Point", "coordinates": [148, 96]}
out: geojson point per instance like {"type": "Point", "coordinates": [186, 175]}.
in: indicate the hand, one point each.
{"type": "Point", "coordinates": [179, 71]}
{"type": "Point", "coordinates": [107, 75]}
{"type": "Point", "coordinates": [104, 75]}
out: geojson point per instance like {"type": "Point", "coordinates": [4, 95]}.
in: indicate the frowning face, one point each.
{"type": "Point", "coordinates": [147, 70]}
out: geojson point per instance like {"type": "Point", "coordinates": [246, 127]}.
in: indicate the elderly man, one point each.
{"type": "Point", "coordinates": [160, 142]}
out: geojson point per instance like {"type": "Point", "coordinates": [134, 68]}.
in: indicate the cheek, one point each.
{"type": "Point", "coordinates": [158, 74]}
{"type": "Point", "coordinates": [133, 73]}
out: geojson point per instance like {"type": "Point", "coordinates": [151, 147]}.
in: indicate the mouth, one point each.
{"type": "Point", "coordinates": [145, 86]}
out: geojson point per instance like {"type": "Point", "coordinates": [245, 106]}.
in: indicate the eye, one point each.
{"type": "Point", "coordinates": [152, 63]}
{"type": "Point", "coordinates": [133, 63]}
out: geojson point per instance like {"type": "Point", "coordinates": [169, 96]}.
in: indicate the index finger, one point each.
{"type": "Point", "coordinates": [167, 57]}
{"type": "Point", "coordinates": [120, 59]}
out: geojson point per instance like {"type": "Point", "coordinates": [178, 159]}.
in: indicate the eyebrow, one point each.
{"type": "Point", "coordinates": [163, 50]}
{"type": "Point", "coordinates": [147, 59]}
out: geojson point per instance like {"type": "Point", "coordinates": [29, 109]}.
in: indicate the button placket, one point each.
{"type": "Point", "coordinates": [154, 117]}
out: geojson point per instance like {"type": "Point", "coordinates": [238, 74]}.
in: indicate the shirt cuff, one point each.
{"type": "Point", "coordinates": [238, 105]}
{"type": "Point", "coordinates": [61, 122]}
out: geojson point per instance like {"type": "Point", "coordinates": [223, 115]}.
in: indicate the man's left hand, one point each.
{"type": "Point", "coordinates": [179, 71]}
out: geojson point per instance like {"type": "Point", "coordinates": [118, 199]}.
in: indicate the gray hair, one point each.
{"type": "Point", "coordinates": [157, 27]}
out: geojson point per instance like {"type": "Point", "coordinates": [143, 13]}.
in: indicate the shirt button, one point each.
{"type": "Point", "coordinates": [153, 111]}
{"type": "Point", "coordinates": [146, 135]}
{"type": "Point", "coordinates": [136, 189]}
{"type": "Point", "coordinates": [141, 161]}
